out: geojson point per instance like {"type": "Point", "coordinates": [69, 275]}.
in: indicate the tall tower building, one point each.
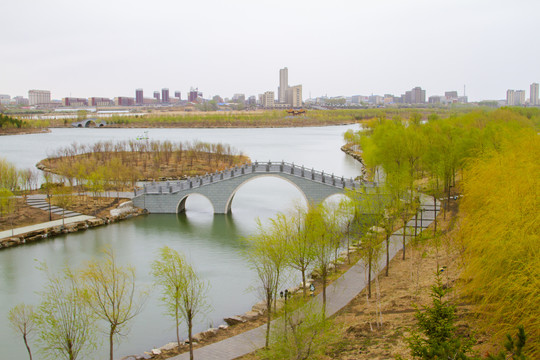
{"type": "Point", "coordinates": [534, 94]}
{"type": "Point", "coordinates": [156, 95]}
{"type": "Point", "coordinates": [519, 97]}
{"type": "Point", "coordinates": [294, 96]}
{"type": "Point", "coordinates": [283, 85]}
{"type": "Point", "coordinates": [165, 95]}
{"type": "Point", "coordinates": [139, 99]}
{"type": "Point", "coordinates": [193, 95]}
{"type": "Point", "coordinates": [510, 97]}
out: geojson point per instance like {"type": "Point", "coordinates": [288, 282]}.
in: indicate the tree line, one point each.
{"type": "Point", "coordinates": [314, 240]}
{"type": "Point", "coordinates": [10, 122]}
{"type": "Point", "coordinates": [491, 159]}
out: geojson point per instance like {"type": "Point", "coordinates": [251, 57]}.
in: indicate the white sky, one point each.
{"type": "Point", "coordinates": [338, 47]}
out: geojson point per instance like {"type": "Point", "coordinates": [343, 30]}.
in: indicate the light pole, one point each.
{"type": "Point", "coordinates": [285, 295]}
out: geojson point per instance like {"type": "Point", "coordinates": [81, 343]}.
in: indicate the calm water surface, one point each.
{"type": "Point", "coordinates": [211, 242]}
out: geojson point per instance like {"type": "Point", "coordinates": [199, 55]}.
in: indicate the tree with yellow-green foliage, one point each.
{"type": "Point", "coordinates": [110, 291]}
{"type": "Point", "coordinates": [500, 235]}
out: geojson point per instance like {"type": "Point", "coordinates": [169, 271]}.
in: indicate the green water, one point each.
{"type": "Point", "coordinates": [213, 243]}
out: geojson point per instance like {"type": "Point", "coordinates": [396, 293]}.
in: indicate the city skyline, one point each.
{"type": "Point", "coordinates": [111, 49]}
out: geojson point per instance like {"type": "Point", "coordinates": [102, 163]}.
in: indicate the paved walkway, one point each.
{"type": "Point", "coordinates": [40, 202]}
{"type": "Point", "coordinates": [41, 226]}
{"type": "Point", "coordinates": [338, 294]}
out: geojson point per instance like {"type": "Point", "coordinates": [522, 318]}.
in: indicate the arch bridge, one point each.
{"type": "Point", "coordinates": [88, 123]}
{"type": "Point", "coordinates": [220, 187]}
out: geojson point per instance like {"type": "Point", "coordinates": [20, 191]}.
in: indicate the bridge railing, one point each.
{"type": "Point", "coordinates": [170, 187]}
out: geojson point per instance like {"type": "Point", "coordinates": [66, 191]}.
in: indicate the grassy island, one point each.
{"type": "Point", "coordinates": [119, 164]}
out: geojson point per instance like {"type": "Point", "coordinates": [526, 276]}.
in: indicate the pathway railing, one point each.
{"type": "Point", "coordinates": [171, 187]}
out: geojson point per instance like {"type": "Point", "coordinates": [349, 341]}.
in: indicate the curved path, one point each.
{"type": "Point", "coordinates": [339, 294]}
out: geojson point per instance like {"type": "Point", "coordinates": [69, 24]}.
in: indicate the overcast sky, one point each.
{"type": "Point", "coordinates": [354, 47]}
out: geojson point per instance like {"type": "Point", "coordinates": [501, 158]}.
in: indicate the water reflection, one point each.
{"type": "Point", "coordinates": [213, 243]}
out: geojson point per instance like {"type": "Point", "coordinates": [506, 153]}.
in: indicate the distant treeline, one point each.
{"type": "Point", "coordinates": [267, 118]}
{"type": "Point", "coordinates": [7, 122]}
{"type": "Point", "coordinates": [271, 118]}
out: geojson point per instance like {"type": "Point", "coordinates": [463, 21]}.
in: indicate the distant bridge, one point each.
{"type": "Point", "coordinates": [220, 187]}
{"type": "Point", "coordinates": [88, 122]}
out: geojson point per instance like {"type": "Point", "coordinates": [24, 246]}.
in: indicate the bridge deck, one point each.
{"type": "Point", "coordinates": [172, 187]}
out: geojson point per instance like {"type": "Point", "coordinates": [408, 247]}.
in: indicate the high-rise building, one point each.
{"type": "Point", "coordinates": [156, 95]}
{"type": "Point", "coordinates": [520, 97]}
{"type": "Point", "coordinates": [139, 97]}
{"type": "Point", "coordinates": [535, 100]}
{"type": "Point", "coordinates": [283, 85]}
{"type": "Point", "coordinates": [178, 95]}
{"type": "Point", "coordinates": [39, 97]}
{"type": "Point", "coordinates": [267, 99]}
{"type": "Point", "coordinates": [294, 96]}
{"type": "Point", "coordinates": [418, 95]}
{"type": "Point", "coordinates": [414, 96]}
{"type": "Point", "coordinates": [515, 97]}
{"type": "Point", "coordinates": [165, 96]}
{"type": "Point", "coordinates": [510, 95]}
{"type": "Point", "coordinates": [193, 95]}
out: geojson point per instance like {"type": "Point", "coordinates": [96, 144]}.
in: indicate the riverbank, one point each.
{"type": "Point", "coordinates": [354, 151]}
{"type": "Point", "coordinates": [37, 231]}
{"type": "Point", "coordinates": [23, 131]}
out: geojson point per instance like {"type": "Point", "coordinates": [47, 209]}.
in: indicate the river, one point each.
{"type": "Point", "coordinates": [213, 243]}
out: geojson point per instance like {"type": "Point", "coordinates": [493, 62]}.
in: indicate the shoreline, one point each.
{"type": "Point", "coordinates": [56, 230]}
{"type": "Point", "coordinates": [27, 131]}
{"type": "Point", "coordinates": [186, 126]}
{"type": "Point", "coordinates": [251, 318]}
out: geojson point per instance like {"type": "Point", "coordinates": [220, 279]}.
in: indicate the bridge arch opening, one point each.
{"type": "Point", "coordinates": [264, 195]}
{"type": "Point", "coordinates": [337, 203]}
{"type": "Point", "coordinates": [195, 203]}
{"type": "Point", "coordinates": [333, 201]}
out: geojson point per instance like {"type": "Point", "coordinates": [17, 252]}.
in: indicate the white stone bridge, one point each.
{"type": "Point", "coordinates": [220, 187]}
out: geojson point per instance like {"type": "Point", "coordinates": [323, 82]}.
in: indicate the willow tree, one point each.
{"type": "Point", "coordinates": [300, 245]}
{"type": "Point", "coordinates": [22, 319]}
{"type": "Point", "coordinates": [63, 197]}
{"type": "Point", "coordinates": [322, 232]}
{"type": "Point", "coordinates": [7, 205]}
{"type": "Point", "coordinates": [111, 294]}
{"type": "Point", "coordinates": [64, 319]}
{"type": "Point", "coordinates": [267, 255]}
{"type": "Point", "coordinates": [368, 208]}
{"type": "Point", "coordinates": [9, 176]}
{"type": "Point", "coordinates": [500, 235]}
{"type": "Point", "coordinates": [183, 293]}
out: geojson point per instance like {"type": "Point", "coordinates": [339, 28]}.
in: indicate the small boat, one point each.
{"type": "Point", "coordinates": [143, 137]}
